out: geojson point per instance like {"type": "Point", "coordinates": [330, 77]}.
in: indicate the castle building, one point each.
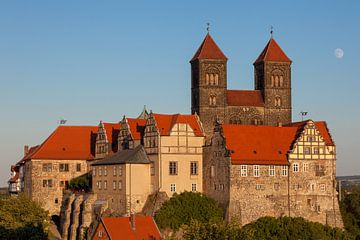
{"type": "Point", "coordinates": [268, 104]}
{"type": "Point", "coordinates": [257, 171]}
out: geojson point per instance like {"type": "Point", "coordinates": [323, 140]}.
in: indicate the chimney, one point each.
{"type": "Point", "coordinates": [132, 221]}
{"type": "Point", "coordinates": [279, 124]}
{"type": "Point", "coordinates": [26, 150]}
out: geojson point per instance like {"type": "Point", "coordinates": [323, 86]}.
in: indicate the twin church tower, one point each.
{"type": "Point", "coordinates": [268, 104]}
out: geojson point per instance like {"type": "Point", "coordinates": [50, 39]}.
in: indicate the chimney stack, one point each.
{"type": "Point", "coordinates": [26, 150]}
{"type": "Point", "coordinates": [132, 221]}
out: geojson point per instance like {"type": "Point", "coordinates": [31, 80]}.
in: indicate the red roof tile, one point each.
{"type": "Point", "coordinates": [120, 228]}
{"type": "Point", "coordinates": [165, 123]}
{"type": "Point", "coordinates": [29, 154]}
{"type": "Point", "coordinates": [259, 144]}
{"type": "Point", "coordinates": [67, 142]}
{"type": "Point", "coordinates": [244, 98]}
{"type": "Point", "coordinates": [209, 50]}
{"type": "Point", "coordinates": [136, 125]}
{"type": "Point", "coordinates": [272, 52]}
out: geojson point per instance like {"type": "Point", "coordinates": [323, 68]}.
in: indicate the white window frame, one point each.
{"type": "Point", "coordinates": [256, 170]}
{"type": "Point", "coordinates": [114, 170]}
{"type": "Point", "coordinates": [272, 170]}
{"type": "Point", "coordinates": [194, 168]}
{"type": "Point", "coordinates": [173, 187]}
{"type": "Point", "coordinates": [322, 187]}
{"type": "Point", "coordinates": [120, 169]}
{"type": "Point", "coordinates": [120, 185]}
{"type": "Point", "coordinates": [114, 185]}
{"type": "Point", "coordinates": [296, 167]}
{"type": "Point", "coordinates": [212, 171]}
{"type": "Point", "coordinates": [284, 170]}
{"type": "Point", "coordinates": [243, 171]}
{"type": "Point", "coordinates": [305, 167]}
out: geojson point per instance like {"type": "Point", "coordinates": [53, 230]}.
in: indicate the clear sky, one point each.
{"type": "Point", "coordinates": [87, 61]}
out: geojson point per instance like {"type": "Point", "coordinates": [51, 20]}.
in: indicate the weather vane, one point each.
{"type": "Point", "coordinates": [271, 31]}
{"type": "Point", "coordinates": [208, 27]}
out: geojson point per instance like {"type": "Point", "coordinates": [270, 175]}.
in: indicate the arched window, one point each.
{"type": "Point", "coordinates": [212, 100]}
{"type": "Point", "coordinates": [277, 102]}
{"type": "Point", "coordinates": [256, 121]}
{"type": "Point", "coordinates": [211, 79]}
{"type": "Point", "coordinates": [272, 81]}
{"type": "Point", "coordinates": [216, 79]}
{"type": "Point", "coordinates": [281, 81]}
{"type": "Point", "coordinates": [276, 81]}
{"type": "Point", "coordinates": [207, 79]}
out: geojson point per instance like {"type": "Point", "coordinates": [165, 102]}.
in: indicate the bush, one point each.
{"type": "Point", "coordinates": [185, 207]}
{"type": "Point", "coordinates": [81, 183]}
{"type": "Point", "coordinates": [21, 218]}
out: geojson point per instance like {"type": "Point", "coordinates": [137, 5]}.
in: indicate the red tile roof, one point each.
{"type": "Point", "coordinates": [67, 142]}
{"type": "Point", "coordinates": [272, 52]}
{"type": "Point", "coordinates": [244, 98]}
{"type": "Point", "coordinates": [136, 125]}
{"type": "Point", "coordinates": [120, 228]}
{"type": "Point", "coordinates": [209, 50]}
{"type": "Point", "coordinates": [259, 144]}
{"type": "Point", "coordinates": [29, 154]}
{"type": "Point", "coordinates": [165, 123]}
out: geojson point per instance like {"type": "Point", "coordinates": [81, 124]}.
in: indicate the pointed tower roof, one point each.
{"type": "Point", "coordinates": [209, 50]}
{"type": "Point", "coordinates": [272, 52]}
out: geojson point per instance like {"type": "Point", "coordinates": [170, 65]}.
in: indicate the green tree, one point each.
{"type": "Point", "coordinates": [181, 209]}
{"type": "Point", "coordinates": [81, 183]}
{"type": "Point", "coordinates": [350, 210]}
{"type": "Point", "coordinates": [21, 218]}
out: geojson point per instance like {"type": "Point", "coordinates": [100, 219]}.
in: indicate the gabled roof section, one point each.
{"type": "Point", "coordinates": [134, 156]}
{"type": "Point", "coordinates": [144, 114]}
{"type": "Point", "coordinates": [272, 52]}
{"type": "Point", "coordinates": [119, 227]}
{"type": "Point", "coordinates": [209, 50]}
{"type": "Point", "coordinates": [137, 127]}
{"type": "Point", "coordinates": [165, 122]}
{"type": "Point", "coordinates": [321, 126]}
{"type": "Point", "coordinates": [250, 144]}
{"type": "Point", "coordinates": [251, 98]}
{"type": "Point", "coordinates": [29, 155]}
{"type": "Point", "coordinates": [67, 142]}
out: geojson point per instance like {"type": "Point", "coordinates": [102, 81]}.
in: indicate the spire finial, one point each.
{"type": "Point", "coordinates": [208, 27]}
{"type": "Point", "coordinates": [271, 31]}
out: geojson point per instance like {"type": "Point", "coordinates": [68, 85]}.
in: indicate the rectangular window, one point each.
{"type": "Point", "coordinates": [120, 170]}
{"type": "Point", "coordinates": [296, 167]}
{"type": "Point", "coordinates": [100, 171]}
{"type": "Point", "coordinates": [105, 184]}
{"type": "Point", "coordinates": [256, 170]}
{"type": "Point", "coordinates": [94, 171]}
{"type": "Point", "coordinates": [64, 167]}
{"type": "Point", "coordinates": [47, 167]}
{"type": "Point", "coordinates": [259, 186]}
{"type": "Point", "coordinates": [322, 187]}
{"type": "Point", "coordinates": [212, 171]}
{"type": "Point", "coordinates": [173, 187]}
{"type": "Point", "coordinates": [307, 150]}
{"type": "Point", "coordinates": [47, 183]}
{"type": "Point", "coordinates": [271, 170]}
{"type": "Point", "coordinates": [284, 171]}
{"type": "Point", "coordinates": [173, 168]}
{"type": "Point", "coordinates": [105, 171]}
{"type": "Point", "coordinates": [99, 184]}
{"type": "Point", "coordinates": [120, 185]}
{"type": "Point", "coordinates": [194, 168]}
{"type": "Point", "coordinates": [316, 150]}
{"type": "Point", "coordinates": [114, 185]}
{"type": "Point", "coordinates": [78, 167]}
{"type": "Point", "coordinates": [305, 167]}
{"type": "Point", "coordinates": [152, 168]}
{"type": "Point", "coordinates": [114, 172]}
{"type": "Point", "coordinates": [193, 187]}
{"type": "Point", "coordinates": [243, 171]}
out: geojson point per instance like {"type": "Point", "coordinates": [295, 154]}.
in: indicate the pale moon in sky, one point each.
{"type": "Point", "coordinates": [339, 53]}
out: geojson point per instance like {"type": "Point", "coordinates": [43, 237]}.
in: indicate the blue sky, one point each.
{"type": "Point", "coordinates": [87, 61]}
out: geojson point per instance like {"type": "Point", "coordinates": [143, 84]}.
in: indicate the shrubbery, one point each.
{"type": "Point", "coordinates": [21, 218]}
{"type": "Point", "coordinates": [81, 183]}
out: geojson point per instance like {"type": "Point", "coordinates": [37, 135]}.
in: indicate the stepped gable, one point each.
{"type": "Point", "coordinates": [67, 142]}
{"type": "Point", "coordinates": [272, 52]}
{"type": "Point", "coordinates": [244, 98]}
{"type": "Point", "coordinates": [209, 50]}
{"type": "Point", "coordinates": [165, 122]}
{"type": "Point", "coordinates": [133, 156]}
{"type": "Point", "coordinates": [250, 144]}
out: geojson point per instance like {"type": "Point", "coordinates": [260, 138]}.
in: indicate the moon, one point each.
{"type": "Point", "coordinates": [339, 53]}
